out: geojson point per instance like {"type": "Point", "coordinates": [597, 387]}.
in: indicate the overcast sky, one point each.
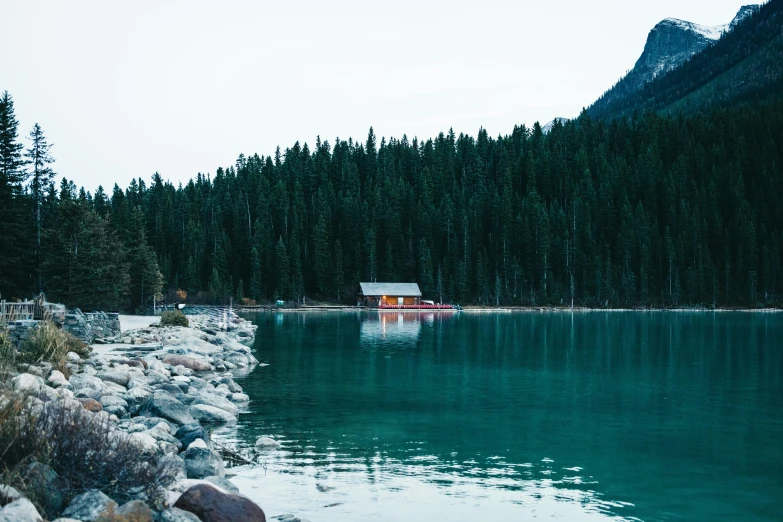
{"type": "Point", "coordinates": [124, 89]}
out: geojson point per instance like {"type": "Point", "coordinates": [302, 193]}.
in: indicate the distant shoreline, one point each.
{"type": "Point", "coordinates": [501, 309]}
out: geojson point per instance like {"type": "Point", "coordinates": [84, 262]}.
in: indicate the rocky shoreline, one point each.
{"type": "Point", "coordinates": [163, 388]}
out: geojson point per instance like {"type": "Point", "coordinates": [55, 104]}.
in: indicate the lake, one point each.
{"type": "Point", "coordinates": [394, 416]}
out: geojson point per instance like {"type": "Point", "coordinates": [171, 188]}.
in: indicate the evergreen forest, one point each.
{"type": "Point", "coordinates": [649, 211]}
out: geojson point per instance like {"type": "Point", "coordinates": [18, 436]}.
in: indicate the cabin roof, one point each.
{"type": "Point", "coordinates": [391, 289]}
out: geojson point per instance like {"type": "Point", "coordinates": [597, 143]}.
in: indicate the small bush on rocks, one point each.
{"type": "Point", "coordinates": [49, 343]}
{"type": "Point", "coordinates": [173, 318]}
{"type": "Point", "coordinates": [84, 451]}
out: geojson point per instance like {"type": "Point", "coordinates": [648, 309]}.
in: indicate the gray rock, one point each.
{"type": "Point", "coordinates": [109, 401]}
{"type": "Point", "coordinates": [206, 414]}
{"type": "Point", "coordinates": [190, 432]}
{"type": "Point", "coordinates": [8, 494]}
{"type": "Point", "coordinates": [224, 483]}
{"type": "Point", "coordinates": [21, 510]}
{"type": "Point", "coordinates": [240, 398]}
{"type": "Point", "coordinates": [89, 506]}
{"type": "Point", "coordinates": [27, 383]}
{"type": "Point", "coordinates": [232, 385]}
{"type": "Point", "coordinates": [177, 464]}
{"type": "Point", "coordinates": [198, 365]}
{"type": "Point", "coordinates": [154, 378]}
{"type": "Point", "coordinates": [210, 399]}
{"type": "Point", "coordinates": [172, 389]}
{"type": "Point", "coordinates": [83, 380]}
{"type": "Point", "coordinates": [114, 405]}
{"type": "Point", "coordinates": [267, 443]}
{"type": "Point", "coordinates": [87, 393]}
{"type": "Point", "coordinates": [57, 380]}
{"type": "Point", "coordinates": [239, 359]}
{"type": "Point", "coordinates": [121, 378]}
{"type": "Point", "coordinates": [177, 515]}
{"type": "Point", "coordinates": [66, 520]}
{"type": "Point", "coordinates": [202, 462]}
{"type": "Point", "coordinates": [162, 404]}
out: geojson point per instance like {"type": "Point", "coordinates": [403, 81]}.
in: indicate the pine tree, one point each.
{"type": "Point", "coordinates": [13, 273]}
{"type": "Point", "coordinates": [40, 174]}
{"type": "Point", "coordinates": [256, 285]}
{"type": "Point", "coordinates": [339, 276]}
{"type": "Point", "coordinates": [146, 280]}
{"type": "Point", "coordinates": [282, 267]}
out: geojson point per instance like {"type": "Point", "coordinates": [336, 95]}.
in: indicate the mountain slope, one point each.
{"type": "Point", "coordinates": [744, 62]}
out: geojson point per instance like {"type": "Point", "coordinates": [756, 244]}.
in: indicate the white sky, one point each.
{"type": "Point", "coordinates": [124, 89]}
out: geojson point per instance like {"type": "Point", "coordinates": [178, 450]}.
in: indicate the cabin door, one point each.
{"type": "Point", "coordinates": [400, 301]}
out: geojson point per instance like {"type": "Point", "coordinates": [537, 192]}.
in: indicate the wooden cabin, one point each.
{"type": "Point", "coordinates": [374, 295]}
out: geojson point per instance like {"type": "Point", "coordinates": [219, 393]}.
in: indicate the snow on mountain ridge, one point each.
{"type": "Point", "coordinates": [710, 32]}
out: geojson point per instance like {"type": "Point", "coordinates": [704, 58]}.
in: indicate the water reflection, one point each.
{"type": "Point", "coordinates": [395, 329]}
{"type": "Point", "coordinates": [414, 417]}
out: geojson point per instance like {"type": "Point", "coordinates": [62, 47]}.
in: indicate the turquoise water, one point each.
{"type": "Point", "coordinates": [513, 416]}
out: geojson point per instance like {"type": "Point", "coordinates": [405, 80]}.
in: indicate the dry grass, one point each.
{"type": "Point", "coordinates": [49, 343]}
{"type": "Point", "coordinates": [7, 354]}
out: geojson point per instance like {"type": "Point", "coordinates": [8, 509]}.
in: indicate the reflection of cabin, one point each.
{"type": "Point", "coordinates": [394, 294]}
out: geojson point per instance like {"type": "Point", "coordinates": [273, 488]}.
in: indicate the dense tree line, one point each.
{"type": "Point", "coordinates": [655, 211]}
{"type": "Point", "coordinates": [745, 64]}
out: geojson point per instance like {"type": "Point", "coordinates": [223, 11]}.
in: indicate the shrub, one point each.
{"type": "Point", "coordinates": [173, 318]}
{"type": "Point", "coordinates": [246, 301]}
{"type": "Point", "coordinates": [49, 343]}
{"type": "Point", "coordinates": [85, 451]}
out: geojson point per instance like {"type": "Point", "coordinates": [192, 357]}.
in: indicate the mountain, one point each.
{"type": "Point", "coordinates": [548, 127]}
{"type": "Point", "coordinates": [668, 69]}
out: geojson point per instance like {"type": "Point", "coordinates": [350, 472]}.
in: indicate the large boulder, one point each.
{"type": "Point", "coordinates": [202, 462]}
{"type": "Point", "coordinates": [135, 510]}
{"type": "Point", "coordinates": [27, 383]}
{"type": "Point", "coordinates": [177, 515]}
{"type": "Point", "coordinates": [89, 506]}
{"type": "Point", "coordinates": [206, 414]}
{"type": "Point", "coordinates": [21, 510]}
{"type": "Point", "coordinates": [212, 505]}
{"type": "Point", "coordinates": [162, 404]}
{"type": "Point", "coordinates": [198, 365]}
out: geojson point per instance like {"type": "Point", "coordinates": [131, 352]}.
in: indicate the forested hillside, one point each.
{"type": "Point", "coordinates": [746, 64]}
{"type": "Point", "coordinates": [656, 211]}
